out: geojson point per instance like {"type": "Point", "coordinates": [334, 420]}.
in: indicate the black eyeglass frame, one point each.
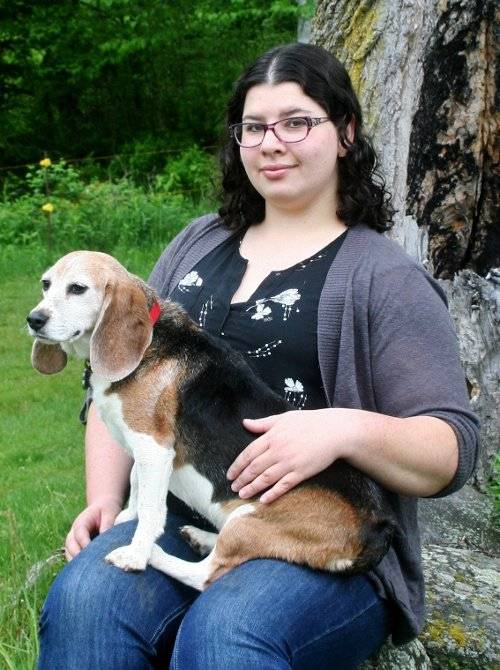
{"type": "Point", "coordinates": [311, 122]}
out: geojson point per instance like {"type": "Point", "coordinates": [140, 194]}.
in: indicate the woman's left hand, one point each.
{"type": "Point", "coordinates": [292, 447]}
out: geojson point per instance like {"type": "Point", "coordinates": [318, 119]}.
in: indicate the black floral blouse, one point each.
{"type": "Point", "coordinates": [276, 328]}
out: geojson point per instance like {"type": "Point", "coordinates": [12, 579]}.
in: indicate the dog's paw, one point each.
{"type": "Point", "coordinates": [201, 541]}
{"type": "Point", "coordinates": [128, 558]}
{"type": "Point", "coordinates": [125, 515]}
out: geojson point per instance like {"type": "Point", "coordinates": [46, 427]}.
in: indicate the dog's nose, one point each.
{"type": "Point", "coordinates": [37, 319]}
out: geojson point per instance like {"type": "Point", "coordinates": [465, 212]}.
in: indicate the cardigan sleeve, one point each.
{"type": "Point", "coordinates": [415, 361]}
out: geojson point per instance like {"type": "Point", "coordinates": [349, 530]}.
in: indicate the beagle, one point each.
{"type": "Point", "coordinates": [174, 397]}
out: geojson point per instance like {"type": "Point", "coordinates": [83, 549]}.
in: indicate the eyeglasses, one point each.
{"type": "Point", "coordinates": [294, 129]}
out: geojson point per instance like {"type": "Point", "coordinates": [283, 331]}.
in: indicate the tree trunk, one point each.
{"type": "Point", "coordinates": [425, 74]}
{"type": "Point", "coordinates": [424, 71]}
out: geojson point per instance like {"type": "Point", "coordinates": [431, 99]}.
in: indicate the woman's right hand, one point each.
{"type": "Point", "coordinates": [93, 520]}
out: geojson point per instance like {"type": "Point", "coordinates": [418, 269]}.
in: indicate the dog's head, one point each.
{"type": "Point", "coordinates": [92, 307]}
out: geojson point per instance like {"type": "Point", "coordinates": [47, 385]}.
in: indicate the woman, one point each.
{"type": "Point", "coordinates": [295, 273]}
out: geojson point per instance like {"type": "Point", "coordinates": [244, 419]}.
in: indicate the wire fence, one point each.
{"type": "Point", "coordinates": [20, 166]}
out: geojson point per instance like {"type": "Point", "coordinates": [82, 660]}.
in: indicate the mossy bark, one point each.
{"type": "Point", "coordinates": [425, 73]}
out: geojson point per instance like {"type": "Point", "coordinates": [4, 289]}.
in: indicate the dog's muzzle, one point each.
{"type": "Point", "coordinates": [37, 320]}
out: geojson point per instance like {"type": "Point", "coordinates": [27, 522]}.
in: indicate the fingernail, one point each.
{"type": "Point", "coordinates": [235, 487]}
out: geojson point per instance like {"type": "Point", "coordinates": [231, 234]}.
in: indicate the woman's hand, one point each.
{"type": "Point", "coordinates": [93, 520]}
{"type": "Point", "coordinates": [292, 447]}
{"type": "Point", "coordinates": [413, 456]}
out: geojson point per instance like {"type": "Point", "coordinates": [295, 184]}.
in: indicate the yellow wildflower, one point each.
{"type": "Point", "coordinates": [48, 207]}
{"type": "Point", "coordinates": [46, 162]}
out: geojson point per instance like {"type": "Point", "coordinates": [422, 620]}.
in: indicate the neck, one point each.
{"type": "Point", "coordinates": [309, 220]}
{"type": "Point", "coordinates": [80, 348]}
{"type": "Point", "coordinates": [305, 223]}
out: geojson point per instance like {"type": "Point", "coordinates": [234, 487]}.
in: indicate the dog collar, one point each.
{"type": "Point", "coordinates": [154, 312]}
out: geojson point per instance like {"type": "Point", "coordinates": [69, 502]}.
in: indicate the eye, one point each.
{"type": "Point", "coordinates": [45, 284]}
{"type": "Point", "coordinates": [253, 127]}
{"type": "Point", "coordinates": [76, 289]}
{"type": "Point", "coordinates": [295, 122]}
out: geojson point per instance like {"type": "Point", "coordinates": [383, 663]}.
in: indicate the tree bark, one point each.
{"type": "Point", "coordinates": [425, 73]}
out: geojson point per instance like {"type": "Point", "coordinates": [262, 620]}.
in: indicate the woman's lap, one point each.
{"type": "Point", "coordinates": [263, 613]}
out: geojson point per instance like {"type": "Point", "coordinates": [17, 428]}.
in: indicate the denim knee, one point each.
{"type": "Point", "coordinates": [81, 607]}
{"type": "Point", "coordinates": [98, 616]}
{"type": "Point", "coordinates": [224, 629]}
{"type": "Point", "coordinates": [271, 614]}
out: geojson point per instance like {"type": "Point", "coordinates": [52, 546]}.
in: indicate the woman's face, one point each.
{"type": "Point", "coordinates": [291, 175]}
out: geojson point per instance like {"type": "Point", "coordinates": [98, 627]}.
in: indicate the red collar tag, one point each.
{"type": "Point", "coordinates": [154, 312]}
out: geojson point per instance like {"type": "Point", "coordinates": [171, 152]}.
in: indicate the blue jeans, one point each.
{"type": "Point", "coordinates": [263, 614]}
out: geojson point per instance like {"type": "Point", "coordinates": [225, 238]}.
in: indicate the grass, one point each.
{"type": "Point", "coordinates": [41, 460]}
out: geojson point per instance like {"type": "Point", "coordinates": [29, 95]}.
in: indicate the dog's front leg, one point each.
{"type": "Point", "coordinates": [130, 511]}
{"type": "Point", "coordinates": [153, 467]}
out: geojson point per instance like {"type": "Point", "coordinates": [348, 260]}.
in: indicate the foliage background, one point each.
{"type": "Point", "coordinates": [100, 77]}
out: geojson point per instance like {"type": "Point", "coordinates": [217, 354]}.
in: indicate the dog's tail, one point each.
{"type": "Point", "coordinates": [377, 534]}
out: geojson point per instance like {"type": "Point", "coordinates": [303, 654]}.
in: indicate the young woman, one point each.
{"type": "Point", "coordinates": [295, 273]}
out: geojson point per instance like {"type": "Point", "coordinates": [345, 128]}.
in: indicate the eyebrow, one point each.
{"type": "Point", "coordinates": [282, 115]}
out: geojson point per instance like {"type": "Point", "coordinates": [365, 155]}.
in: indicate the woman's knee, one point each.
{"type": "Point", "coordinates": [273, 614]}
{"type": "Point", "coordinates": [85, 585]}
{"type": "Point", "coordinates": [224, 628]}
{"type": "Point", "coordinates": [115, 618]}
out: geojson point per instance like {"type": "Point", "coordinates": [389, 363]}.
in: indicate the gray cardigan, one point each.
{"type": "Point", "coordinates": [385, 344]}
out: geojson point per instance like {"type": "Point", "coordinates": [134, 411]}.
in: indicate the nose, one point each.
{"type": "Point", "coordinates": [37, 319]}
{"type": "Point", "coordinates": [271, 141]}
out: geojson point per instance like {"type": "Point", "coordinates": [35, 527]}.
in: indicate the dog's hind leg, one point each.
{"type": "Point", "coordinates": [202, 541]}
{"type": "Point", "coordinates": [199, 574]}
{"type": "Point", "coordinates": [191, 573]}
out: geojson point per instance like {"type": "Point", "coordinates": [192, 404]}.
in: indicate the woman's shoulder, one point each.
{"type": "Point", "coordinates": [379, 251]}
{"type": "Point", "coordinates": [193, 242]}
{"type": "Point", "coordinates": [380, 264]}
{"type": "Point", "coordinates": [200, 225]}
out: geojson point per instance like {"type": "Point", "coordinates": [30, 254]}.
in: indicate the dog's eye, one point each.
{"type": "Point", "coordinates": [45, 284]}
{"type": "Point", "coordinates": [76, 289]}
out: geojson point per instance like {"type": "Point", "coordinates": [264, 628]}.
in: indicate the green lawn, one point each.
{"type": "Point", "coordinates": [41, 459]}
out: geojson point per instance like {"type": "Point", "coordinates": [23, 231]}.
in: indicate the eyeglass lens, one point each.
{"type": "Point", "coordinates": [287, 130]}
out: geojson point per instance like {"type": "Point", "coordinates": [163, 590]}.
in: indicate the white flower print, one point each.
{"type": "Point", "coordinates": [265, 350]}
{"type": "Point", "coordinates": [262, 312]}
{"type": "Point", "coordinates": [293, 387]}
{"type": "Point", "coordinates": [286, 299]}
{"type": "Point", "coordinates": [191, 279]}
{"type": "Point", "coordinates": [206, 307]}
{"type": "Point", "coordinates": [294, 392]}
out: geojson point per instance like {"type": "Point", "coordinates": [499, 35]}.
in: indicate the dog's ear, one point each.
{"type": "Point", "coordinates": [122, 333]}
{"type": "Point", "coordinates": [48, 358]}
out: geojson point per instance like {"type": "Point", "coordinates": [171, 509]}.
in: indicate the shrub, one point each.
{"type": "Point", "coordinates": [62, 212]}
{"type": "Point", "coordinates": [193, 173]}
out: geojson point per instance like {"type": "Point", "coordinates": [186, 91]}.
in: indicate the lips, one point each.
{"type": "Point", "coordinates": [275, 170]}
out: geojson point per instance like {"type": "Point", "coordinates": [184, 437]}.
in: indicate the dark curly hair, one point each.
{"type": "Point", "coordinates": [362, 196]}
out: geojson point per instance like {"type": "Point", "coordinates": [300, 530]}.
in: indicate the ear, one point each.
{"type": "Point", "coordinates": [122, 333]}
{"type": "Point", "coordinates": [48, 358]}
{"type": "Point", "coordinates": [349, 135]}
